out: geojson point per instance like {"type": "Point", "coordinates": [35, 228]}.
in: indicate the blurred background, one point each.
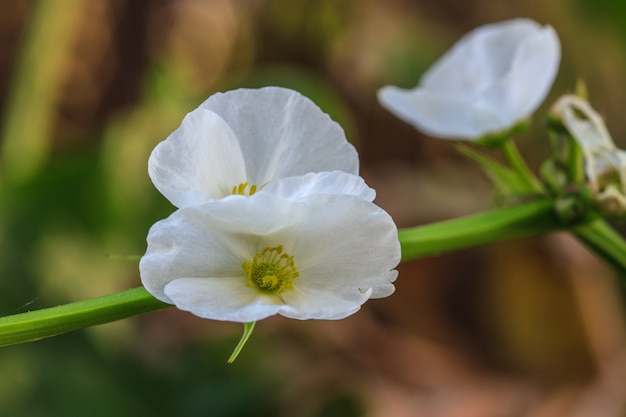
{"type": "Point", "coordinates": [88, 87]}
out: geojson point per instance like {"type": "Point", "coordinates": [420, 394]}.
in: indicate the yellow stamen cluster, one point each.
{"type": "Point", "coordinates": [242, 189]}
{"type": "Point", "coordinates": [271, 270]}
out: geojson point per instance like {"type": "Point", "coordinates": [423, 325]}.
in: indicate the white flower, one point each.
{"type": "Point", "coordinates": [605, 164]}
{"type": "Point", "coordinates": [313, 254]}
{"type": "Point", "coordinates": [236, 142]}
{"type": "Point", "coordinates": [491, 79]}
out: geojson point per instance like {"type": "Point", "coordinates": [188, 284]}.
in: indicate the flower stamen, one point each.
{"type": "Point", "coordinates": [271, 270]}
{"type": "Point", "coordinates": [242, 189]}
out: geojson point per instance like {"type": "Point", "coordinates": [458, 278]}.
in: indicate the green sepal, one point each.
{"type": "Point", "coordinates": [565, 169]}
{"type": "Point", "coordinates": [576, 207]}
{"type": "Point", "coordinates": [510, 186]}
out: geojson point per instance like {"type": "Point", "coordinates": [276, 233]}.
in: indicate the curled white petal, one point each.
{"type": "Point", "coordinates": [585, 124]}
{"type": "Point", "coordinates": [492, 78]}
{"type": "Point", "coordinates": [588, 129]}
{"type": "Point", "coordinates": [605, 164]}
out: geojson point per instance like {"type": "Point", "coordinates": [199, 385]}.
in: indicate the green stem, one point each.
{"type": "Point", "coordinates": [35, 325]}
{"type": "Point", "coordinates": [529, 219]}
{"type": "Point", "coordinates": [525, 220]}
{"type": "Point", "coordinates": [605, 242]}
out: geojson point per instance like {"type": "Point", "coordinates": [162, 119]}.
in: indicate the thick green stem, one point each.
{"type": "Point", "coordinates": [605, 242]}
{"type": "Point", "coordinates": [529, 219]}
{"type": "Point", "coordinates": [525, 220]}
{"type": "Point", "coordinates": [35, 325]}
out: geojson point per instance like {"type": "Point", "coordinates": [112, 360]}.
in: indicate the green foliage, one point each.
{"type": "Point", "coordinates": [72, 377]}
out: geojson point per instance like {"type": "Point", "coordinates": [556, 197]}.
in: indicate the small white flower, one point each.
{"type": "Point", "coordinates": [491, 79]}
{"type": "Point", "coordinates": [314, 254]}
{"type": "Point", "coordinates": [236, 142]}
{"type": "Point", "coordinates": [605, 164]}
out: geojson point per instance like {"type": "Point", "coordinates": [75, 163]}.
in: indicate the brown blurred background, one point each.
{"type": "Point", "coordinates": [88, 87]}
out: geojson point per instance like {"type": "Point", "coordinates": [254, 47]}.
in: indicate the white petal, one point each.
{"type": "Point", "coordinates": [584, 123]}
{"type": "Point", "coordinates": [228, 299]}
{"type": "Point", "coordinates": [308, 303]}
{"type": "Point", "coordinates": [478, 58]}
{"type": "Point", "coordinates": [533, 70]}
{"type": "Point", "coordinates": [214, 239]}
{"type": "Point", "coordinates": [262, 214]}
{"type": "Point", "coordinates": [283, 133]}
{"type": "Point", "coordinates": [334, 183]}
{"type": "Point", "coordinates": [200, 160]}
{"type": "Point", "coordinates": [185, 246]}
{"type": "Point", "coordinates": [492, 78]}
{"type": "Point", "coordinates": [440, 116]}
{"type": "Point", "coordinates": [602, 158]}
{"type": "Point", "coordinates": [346, 246]}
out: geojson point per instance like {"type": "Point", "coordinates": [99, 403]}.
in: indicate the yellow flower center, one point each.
{"type": "Point", "coordinates": [242, 189]}
{"type": "Point", "coordinates": [271, 270]}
